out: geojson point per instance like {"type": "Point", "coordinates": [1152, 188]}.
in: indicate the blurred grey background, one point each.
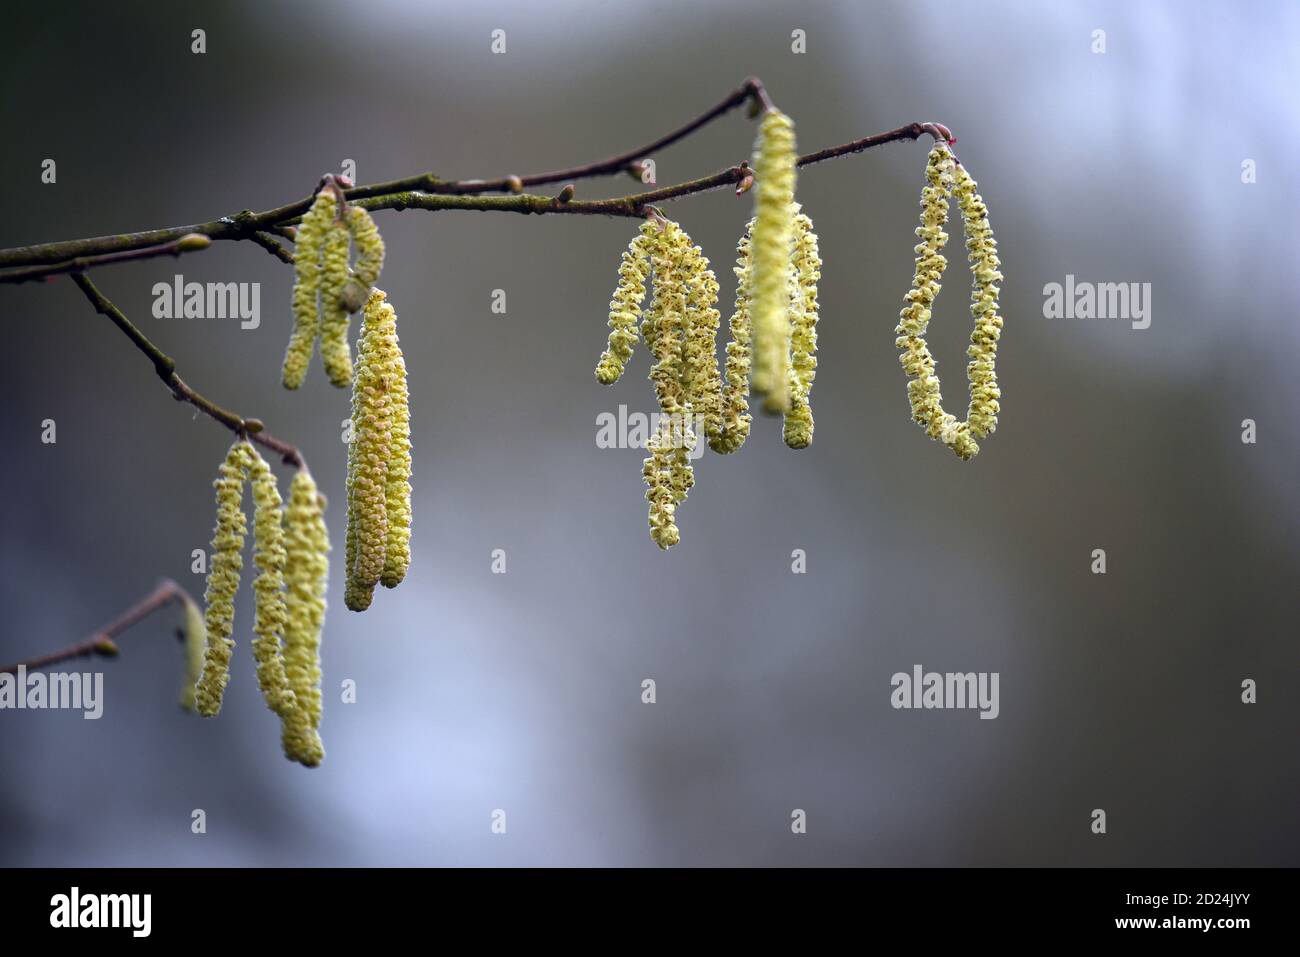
{"type": "Point", "coordinates": [522, 691]}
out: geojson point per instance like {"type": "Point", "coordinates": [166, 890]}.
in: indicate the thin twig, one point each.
{"type": "Point", "coordinates": [101, 642]}
{"type": "Point", "coordinates": [911, 131]}
{"type": "Point", "coordinates": [165, 367]}
{"type": "Point", "coordinates": [272, 245]}
{"type": "Point", "coordinates": [628, 206]}
{"type": "Point", "coordinates": [752, 88]}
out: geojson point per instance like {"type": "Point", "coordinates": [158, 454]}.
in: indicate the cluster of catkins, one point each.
{"type": "Point", "coordinates": [325, 293]}
{"type": "Point", "coordinates": [945, 177]}
{"type": "Point", "coordinates": [773, 329]}
{"type": "Point", "coordinates": [291, 546]}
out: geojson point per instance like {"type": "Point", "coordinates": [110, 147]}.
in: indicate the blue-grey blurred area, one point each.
{"type": "Point", "coordinates": [521, 692]}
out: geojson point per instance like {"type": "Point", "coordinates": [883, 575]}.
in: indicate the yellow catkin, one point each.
{"type": "Point", "coordinates": [772, 240]}
{"type": "Point", "coordinates": [664, 324]}
{"type": "Point", "coordinates": [625, 307]}
{"type": "Point", "coordinates": [268, 588]}
{"type": "Point", "coordinates": [703, 383]}
{"type": "Point", "coordinates": [369, 454]}
{"type": "Point", "coordinates": [658, 473]}
{"type": "Point", "coordinates": [397, 486]}
{"type": "Point", "coordinates": [225, 564]}
{"type": "Point", "coordinates": [370, 257]}
{"type": "Point", "coordinates": [335, 353]}
{"type": "Point", "coordinates": [310, 238]}
{"type": "Point", "coordinates": [306, 576]}
{"type": "Point", "coordinates": [943, 177]}
{"type": "Point", "coordinates": [798, 426]}
{"type": "Point", "coordinates": [195, 636]}
{"type": "Point", "coordinates": [982, 251]}
{"type": "Point", "coordinates": [733, 427]}
{"type": "Point", "coordinates": [668, 472]}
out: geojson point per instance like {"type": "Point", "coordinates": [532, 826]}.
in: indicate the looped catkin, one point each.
{"type": "Point", "coordinates": [772, 240]}
{"type": "Point", "coordinates": [268, 588]}
{"type": "Point", "coordinates": [306, 576]}
{"type": "Point", "coordinates": [309, 243]}
{"type": "Point", "coordinates": [944, 177]}
{"type": "Point", "coordinates": [225, 564]}
{"type": "Point", "coordinates": [379, 460]}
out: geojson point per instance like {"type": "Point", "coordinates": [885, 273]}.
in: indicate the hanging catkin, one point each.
{"type": "Point", "coordinates": [397, 487]}
{"type": "Point", "coordinates": [335, 353]}
{"type": "Point", "coordinates": [306, 577]}
{"type": "Point", "coordinates": [309, 243]}
{"type": "Point", "coordinates": [625, 307]}
{"type": "Point", "coordinates": [733, 427]}
{"type": "Point", "coordinates": [368, 456]}
{"type": "Point", "coordinates": [379, 460]}
{"type": "Point", "coordinates": [703, 383]}
{"type": "Point", "coordinates": [663, 327]}
{"type": "Point", "coordinates": [798, 425]}
{"type": "Point", "coordinates": [225, 564]}
{"type": "Point", "coordinates": [772, 239]}
{"type": "Point", "coordinates": [985, 266]}
{"type": "Point", "coordinates": [268, 588]}
{"type": "Point", "coordinates": [370, 257]}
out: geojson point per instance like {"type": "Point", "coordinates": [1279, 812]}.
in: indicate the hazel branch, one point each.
{"type": "Point", "coordinates": [428, 191]}
{"type": "Point", "coordinates": [190, 242]}
{"type": "Point", "coordinates": [165, 367]}
{"type": "Point", "coordinates": [102, 641]}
